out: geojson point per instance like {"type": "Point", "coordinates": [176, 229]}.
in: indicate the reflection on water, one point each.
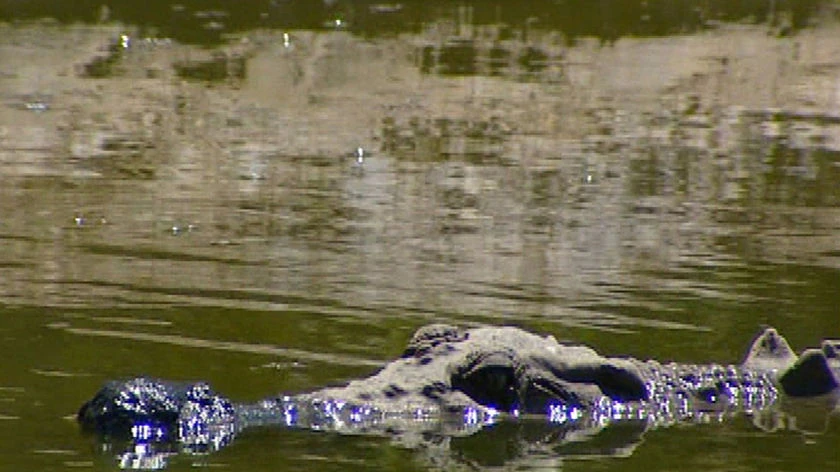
{"type": "Point", "coordinates": [209, 21]}
{"type": "Point", "coordinates": [632, 170]}
{"type": "Point", "coordinates": [484, 196]}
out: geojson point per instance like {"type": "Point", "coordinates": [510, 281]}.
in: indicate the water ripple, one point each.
{"type": "Point", "coordinates": [232, 346]}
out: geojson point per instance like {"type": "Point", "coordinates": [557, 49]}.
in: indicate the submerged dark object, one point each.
{"type": "Point", "coordinates": [473, 376]}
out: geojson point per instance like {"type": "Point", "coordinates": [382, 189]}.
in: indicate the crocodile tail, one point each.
{"type": "Point", "coordinates": [810, 376]}
{"type": "Point", "coordinates": [815, 372]}
{"type": "Point", "coordinates": [769, 352]}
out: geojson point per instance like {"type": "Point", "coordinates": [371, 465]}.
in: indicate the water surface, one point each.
{"type": "Point", "coordinates": [275, 205]}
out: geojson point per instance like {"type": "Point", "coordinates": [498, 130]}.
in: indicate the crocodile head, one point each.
{"type": "Point", "coordinates": [150, 410]}
{"type": "Point", "coordinates": [503, 368]}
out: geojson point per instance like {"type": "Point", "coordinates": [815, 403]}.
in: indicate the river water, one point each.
{"type": "Point", "coordinates": [273, 199]}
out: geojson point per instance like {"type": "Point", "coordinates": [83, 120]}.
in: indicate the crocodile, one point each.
{"type": "Point", "coordinates": [458, 380]}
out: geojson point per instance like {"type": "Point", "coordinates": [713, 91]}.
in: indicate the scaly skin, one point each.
{"type": "Point", "coordinates": [463, 379]}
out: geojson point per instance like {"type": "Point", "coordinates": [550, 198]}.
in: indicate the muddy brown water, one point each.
{"type": "Point", "coordinates": [279, 210]}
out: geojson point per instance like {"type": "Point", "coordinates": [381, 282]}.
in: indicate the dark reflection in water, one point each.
{"type": "Point", "coordinates": [278, 208]}
{"type": "Point", "coordinates": [219, 67]}
{"type": "Point", "coordinates": [206, 21]}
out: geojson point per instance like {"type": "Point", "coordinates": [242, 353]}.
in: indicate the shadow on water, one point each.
{"type": "Point", "coordinates": [273, 197]}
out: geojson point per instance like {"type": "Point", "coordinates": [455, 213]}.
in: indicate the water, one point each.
{"type": "Point", "coordinates": [183, 196]}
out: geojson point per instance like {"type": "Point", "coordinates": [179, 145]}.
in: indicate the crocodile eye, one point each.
{"type": "Point", "coordinates": [489, 379]}
{"type": "Point", "coordinates": [493, 386]}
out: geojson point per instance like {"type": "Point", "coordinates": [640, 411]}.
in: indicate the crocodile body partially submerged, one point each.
{"type": "Point", "coordinates": [468, 378]}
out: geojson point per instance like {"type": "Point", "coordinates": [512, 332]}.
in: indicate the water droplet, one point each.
{"type": "Point", "coordinates": [180, 229]}
{"type": "Point", "coordinates": [37, 106]}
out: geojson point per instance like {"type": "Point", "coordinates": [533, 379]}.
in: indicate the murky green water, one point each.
{"type": "Point", "coordinates": [273, 199]}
